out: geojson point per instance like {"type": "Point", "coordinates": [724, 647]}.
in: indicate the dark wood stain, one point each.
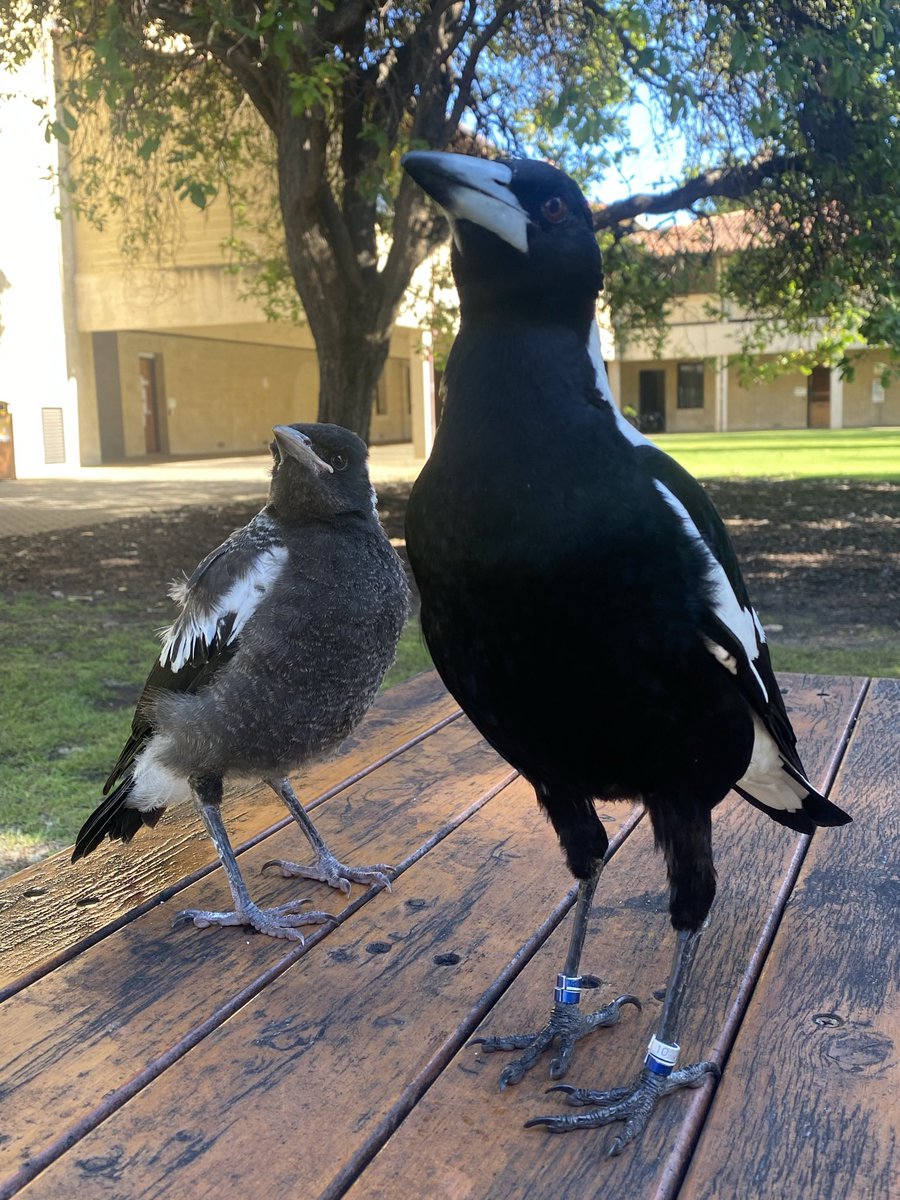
{"type": "Point", "coordinates": [819, 1106]}
{"type": "Point", "coordinates": [139, 1061]}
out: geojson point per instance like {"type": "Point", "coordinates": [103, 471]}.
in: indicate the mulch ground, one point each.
{"type": "Point", "coordinates": [821, 558]}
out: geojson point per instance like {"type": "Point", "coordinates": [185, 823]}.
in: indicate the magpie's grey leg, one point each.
{"type": "Point", "coordinates": [658, 1077]}
{"type": "Point", "coordinates": [327, 868]}
{"type": "Point", "coordinates": [281, 921]}
{"type": "Point", "coordinates": [566, 1024]}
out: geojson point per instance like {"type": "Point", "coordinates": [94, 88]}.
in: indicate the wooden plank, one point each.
{"type": "Point", "coordinates": [50, 908]}
{"type": "Point", "coordinates": [813, 1082]}
{"type": "Point", "coordinates": [304, 1076]}
{"type": "Point", "coordinates": [630, 943]}
{"type": "Point", "coordinates": [93, 1024]}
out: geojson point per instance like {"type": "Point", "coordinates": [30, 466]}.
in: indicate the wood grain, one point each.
{"type": "Point", "coordinates": [90, 1026]}
{"type": "Point", "coordinates": [50, 908]}
{"type": "Point", "coordinates": [813, 1083]}
{"type": "Point", "coordinates": [296, 1083]}
{"type": "Point", "coordinates": [303, 1067]}
{"type": "Point", "coordinates": [630, 944]}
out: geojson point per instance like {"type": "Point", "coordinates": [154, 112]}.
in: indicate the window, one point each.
{"type": "Point", "coordinates": [54, 437]}
{"type": "Point", "coordinates": [690, 385]}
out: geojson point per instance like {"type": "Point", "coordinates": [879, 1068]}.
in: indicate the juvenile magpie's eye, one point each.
{"type": "Point", "coordinates": [554, 210]}
{"type": "Point", "coordinates": [339, 462]}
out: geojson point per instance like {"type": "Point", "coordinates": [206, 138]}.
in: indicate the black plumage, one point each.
{"type": "Point", "coordinates": [580, 595]}
{"type": "Point", "coordinates": [284, 634]}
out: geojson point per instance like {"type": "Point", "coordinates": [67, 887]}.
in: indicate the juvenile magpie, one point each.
{"type": "Point", "coordinates": [580, 595]}
{"type": "Point", "coordinates": [284, 634]}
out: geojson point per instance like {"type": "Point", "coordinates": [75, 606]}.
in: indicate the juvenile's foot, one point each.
{"type": "Point", "coordinates": [633, 1104]}
{"type": "Point", "coordinates": [280, 922]}
{"type": "Point", "coordinates": [566, 1025]}
{"type": "Point", "coordinates": [327, 869]}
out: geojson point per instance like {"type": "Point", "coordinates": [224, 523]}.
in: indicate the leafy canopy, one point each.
{"type": "Point", "coordinates": [296, 113]}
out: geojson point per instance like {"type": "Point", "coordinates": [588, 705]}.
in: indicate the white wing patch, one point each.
{"type": "Point", "coordinates": [743, 622]}
{"type": "Point", "coordinates": [625, 427]}
{"type": "Point", "coordinates": [766, 780]}
{"type": "Point", "coordinates": [194, 630]}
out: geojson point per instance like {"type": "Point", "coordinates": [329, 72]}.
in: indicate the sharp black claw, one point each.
{"type": "Point", "coordinates": [561, 1087]}
{"type": "Point", "coordinates": [549, 1121]}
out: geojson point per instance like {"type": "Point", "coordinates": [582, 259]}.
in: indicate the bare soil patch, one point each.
{"type": "Point", "coordinates": [821, 557]}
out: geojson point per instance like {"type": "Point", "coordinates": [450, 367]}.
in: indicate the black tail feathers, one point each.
{"type": "Point", "coordinates": [111, 818]}
{"type": "Point", "coordinates": [815, 811]}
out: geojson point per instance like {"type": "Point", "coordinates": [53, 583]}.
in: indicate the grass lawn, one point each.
{"type": "Point", "coordinates": [788, 453]}
{"type": "Point", "coordinates": [72, 669]}
{"type": "Point", "coordinates": [72, 672]}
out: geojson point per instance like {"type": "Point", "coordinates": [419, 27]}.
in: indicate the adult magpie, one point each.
{"type": "Point", "coordinates": [284, 634]}
{"type": "Point", "coordinates": [580, 595]}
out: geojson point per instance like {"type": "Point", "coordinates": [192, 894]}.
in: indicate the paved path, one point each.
{"type": "Point", "coordinates": [88, 495]}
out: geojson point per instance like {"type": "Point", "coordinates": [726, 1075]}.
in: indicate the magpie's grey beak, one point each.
{"type": "Point", "coordinates": [471, 189]}
{"type": "Point", "coordinates": [296, 445]}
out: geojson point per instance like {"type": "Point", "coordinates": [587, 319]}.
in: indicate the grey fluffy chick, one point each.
{"type": "Point", "coordinates": [284, 635]}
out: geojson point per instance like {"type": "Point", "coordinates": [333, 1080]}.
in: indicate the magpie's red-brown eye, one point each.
{"type": "Point", "coordinates": [554, 210]}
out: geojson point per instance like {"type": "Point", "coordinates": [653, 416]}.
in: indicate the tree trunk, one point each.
{"type": "Point", "coordinates": [349, 301]}
{"type": "Point", "coordinates": [351, 360]}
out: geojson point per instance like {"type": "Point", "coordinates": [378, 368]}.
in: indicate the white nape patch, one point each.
{"type": "Point", "coordinates": [478, 191]}
{"type": "Point", "coordinates": [595, 354]}
{"type": "Point", "coordinates": [155, 785]}
{"type": "Point", "coordinates": [766, 779]}
{"type": "Point", "coordinates": [194, 630]}
{"type": "Point", "coordinates": [741, 621]}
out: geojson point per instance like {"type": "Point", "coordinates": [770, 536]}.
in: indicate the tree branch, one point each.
{"type": "Point", "coordinates": [233, 56]}
{"type": "Point", "coordinates": [730, 182]}
{"type": "Point", "coordinates": [467, 78]}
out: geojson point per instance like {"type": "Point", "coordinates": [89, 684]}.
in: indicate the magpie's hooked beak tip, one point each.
{"type": "Point", "coordinates": [471, 189]}
{"type": "Point", "coordinates": [294, 444]}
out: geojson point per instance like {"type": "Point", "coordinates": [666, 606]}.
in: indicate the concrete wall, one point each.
{"type": "Point", "coordinates": [36, 373]}
{"type": "Point", "coordinates": [215, 395]}
{"type": "Point", "coordinates": [223, 395]}
{"type": "Point", "coordinates": [865, 401]}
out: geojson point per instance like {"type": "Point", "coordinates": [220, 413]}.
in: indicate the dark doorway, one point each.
{"type": "Point", "coordinates": [818, 398]}
{"type": "Point", "coordinates": [149, 403]}
{"type": "Point", "coordinates": [652, 401]}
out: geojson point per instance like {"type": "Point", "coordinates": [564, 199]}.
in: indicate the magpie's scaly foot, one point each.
{"type": "Point", "coordinates": [280, 922]}
{"type": "Point", "coordinates": [327, 869]}
{"type": "Point", "coordinates": [633, 1104]}
{"type": "Point", "coordinates": [566, 1025]}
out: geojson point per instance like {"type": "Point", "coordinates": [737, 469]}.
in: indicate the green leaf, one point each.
{"type": "Point", "coordinates": [740, 49]}
{"type": "Point", "coordinates": [149, 147]}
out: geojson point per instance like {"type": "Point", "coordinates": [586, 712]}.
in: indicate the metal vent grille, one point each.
{"type": "Point", "coordinates": [54, 437]}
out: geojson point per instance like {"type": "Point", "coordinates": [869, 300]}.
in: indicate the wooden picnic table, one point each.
{"type": "Point", "coordinates": [140, 1060]}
